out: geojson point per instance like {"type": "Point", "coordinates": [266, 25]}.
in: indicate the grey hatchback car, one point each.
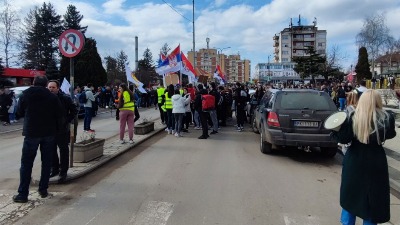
{"type": "Point", "coordinates": [294, 117]}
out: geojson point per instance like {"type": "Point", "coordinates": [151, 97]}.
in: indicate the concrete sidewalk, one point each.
{"type": "Point", "coordinates": [112, 149]}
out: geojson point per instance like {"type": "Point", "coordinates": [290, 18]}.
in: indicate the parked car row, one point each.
{"type": "Point", "coordinates": [294, 118]}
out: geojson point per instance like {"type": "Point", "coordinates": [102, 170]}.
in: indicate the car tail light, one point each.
{"type": "Point", "coordinates": [273, 120]}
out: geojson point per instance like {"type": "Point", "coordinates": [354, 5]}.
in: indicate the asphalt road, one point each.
{"type": "Point", "coordinates": [222, 180]}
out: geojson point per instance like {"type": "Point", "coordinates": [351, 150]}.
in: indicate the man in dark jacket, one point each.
{"type": "Point", "coordinates": [43, 118]}
{"type": "Point", "coordinates": [213, 113]}
{"type": "Point", "coordinates": [199, 109]}
{"type": "Point", "coordinates": [60, 165]}
{"type": "Point", "coordinates": [5, 104]}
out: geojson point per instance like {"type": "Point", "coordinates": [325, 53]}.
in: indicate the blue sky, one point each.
{"type": "Point", "coordinates": [246, 26]}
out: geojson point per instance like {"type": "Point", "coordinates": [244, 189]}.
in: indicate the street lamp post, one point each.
{"type": "Point", "coordinates": [219, 53]}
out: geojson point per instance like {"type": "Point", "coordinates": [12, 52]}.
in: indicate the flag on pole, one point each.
{"type": "Point", "coordinates": [172, 63]}
{"type": "Point", "coordinates": [219, 75]}
{"type": "Point", "coordinates": [128, 73]}
{"type": "Point", "coordinates": [161, 59]}
{"type": "Point", "coordinates": [65, 86]}
{"type": "Point", "coordinates": [187, 67]}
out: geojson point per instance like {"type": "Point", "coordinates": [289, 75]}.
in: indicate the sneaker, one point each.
{"type": "Point", "coordinates": [90, 130]}
{"type": "Point", "coordinates": [122, 141]}
{"type": "Point", "coordinates": [180, 135]}
{"type": "Point", "coordinates": [197, 128]}
{"type": "Point", "coordinates": [214, 132]}
{"type": "Point", "coordinates": [131, 142]}
{"type": "Point", "coordinates": [169, 131]}
{"type": "Point", "coordinates": [20, 199]}
{"type": "Point", "coordinates": [176, 134]}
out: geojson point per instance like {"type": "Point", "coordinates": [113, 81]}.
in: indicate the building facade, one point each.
{"type": "Point", "coordinates": [234, 68]}
{"type": "Point", "coordinates": [294, 42]}
{"type": "Point", "coordinates": [276, 72]}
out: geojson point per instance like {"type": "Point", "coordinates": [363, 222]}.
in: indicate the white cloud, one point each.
{"type": "Point", "coordinates": [247, 29]}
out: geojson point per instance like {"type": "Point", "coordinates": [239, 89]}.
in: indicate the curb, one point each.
{"type": "Point", "coordinates": [105, 159]}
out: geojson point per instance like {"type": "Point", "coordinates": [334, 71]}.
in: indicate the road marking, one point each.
{"type": "Point", "coordinates": [153, 213]}
{"type": "Point", "coordinates": [395, 164]}
{"type": "Point", "coordinates": [300, 219]}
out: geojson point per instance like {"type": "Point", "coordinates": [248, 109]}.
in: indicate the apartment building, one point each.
{"type": "Point", "coordinates": [234, 68]}
{"type": "Point", "coordinates": [295, 40]}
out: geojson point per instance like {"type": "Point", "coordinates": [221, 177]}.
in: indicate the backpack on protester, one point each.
{"type": "Point", "coordinates": [207, 102]}
{"type": "Point", "coordinates": [82, 98]}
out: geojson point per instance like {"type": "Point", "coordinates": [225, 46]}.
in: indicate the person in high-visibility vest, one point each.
{"type": "Point", "coordinates": [168, 106]}
{"type": "Point", "coordinates": [160, 96]}
{"type": "Point", "coordinates": [126, 107]}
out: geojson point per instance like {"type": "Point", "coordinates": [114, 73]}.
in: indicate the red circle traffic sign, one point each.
{"type": "Point", "coordinates": [71, 42]}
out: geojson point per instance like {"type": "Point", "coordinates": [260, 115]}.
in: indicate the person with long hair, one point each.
{"type": "Point", "coordinates": [168, 106]}
{"type": "Point", "coordinates": [364, 190]}
{"type": "Point", "coordinates": [126, 107]}
{"type": "Point", "coordinates": [352, 100]}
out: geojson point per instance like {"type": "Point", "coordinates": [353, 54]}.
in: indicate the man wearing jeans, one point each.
{"type": "Point", "coordinates": [90, 98]}
{"type": "Point", "coordinates": [42, 117]}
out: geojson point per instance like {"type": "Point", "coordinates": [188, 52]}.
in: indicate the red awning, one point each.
{"type": "Point", "coordinates": [13, 72]}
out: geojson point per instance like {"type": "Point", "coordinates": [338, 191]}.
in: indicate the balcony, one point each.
{"type": "Point", "coordinates": [276, 50]}
{"type": "Point", "coordinates": [276, 37]}
{"type": "Point", "coordinates": [276, 44]}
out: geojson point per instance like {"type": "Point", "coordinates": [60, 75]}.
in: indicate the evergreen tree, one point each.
{"type": "Point", "coordinates": [72, 20]}
{"type": "Point", "coordinates": [41, 42]}
{"type": "Point", "coordinates": [122, 59]}
{"type": "Point", "coordinates": [146, 71]}
{"type": "Point", "coordinates": [363, 68]}
{"type": "Point", "coordinates": [111, 70]}
{"type": "Point", "coordinates": [309, 65]}
{"type": "Point", "coordinates": [89, 68]}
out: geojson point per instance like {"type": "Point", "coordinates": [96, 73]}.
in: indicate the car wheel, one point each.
{"type": "Point", "coordinates": [254, 125]}
{"type": "Point", "coordinates": [329, 152]}
{"type": "Point", "coordinates": [265, 147]}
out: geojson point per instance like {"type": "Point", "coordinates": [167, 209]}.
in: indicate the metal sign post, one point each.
{"type": "Point", "coordinates": [70, 44]}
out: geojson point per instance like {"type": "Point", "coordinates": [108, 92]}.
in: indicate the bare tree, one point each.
{"type": "Point", "coordinates": [9, 30]}
{"type": "Point", "coordinates": [374, 36]}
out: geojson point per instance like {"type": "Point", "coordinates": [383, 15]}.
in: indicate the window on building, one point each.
{"type": "Point", "coordinates": [285, 60]}
{"type": "Point", "coordinates": [285, 37]}
{"type": "Point", "coordinates": [321, 52]}
{"type": "Point", "coordinates": [286, 45]}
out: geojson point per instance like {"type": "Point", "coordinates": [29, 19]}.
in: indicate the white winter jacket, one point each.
{"type": "Point", "coordinates": [178, 103]}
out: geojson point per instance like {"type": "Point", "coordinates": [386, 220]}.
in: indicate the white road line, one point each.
{"type": "Point", "coordinates": [395, 164]}
{"type": "Point", "coordinates": [153, 213]}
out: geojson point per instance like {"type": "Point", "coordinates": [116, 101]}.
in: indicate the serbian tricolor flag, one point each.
{"type": "Point", "coordinates": [187, 68]}
{"type": "Point", "coordinates": [161, 59]}
{"type": "Point", "coordinates": [219, 75]}
{"type": "Point", "coordinates": [172, 63]}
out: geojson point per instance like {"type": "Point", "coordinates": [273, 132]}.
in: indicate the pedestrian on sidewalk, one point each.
{"type": "Point", "coordinates": [126, 107]}
{"type": "Point", "coordinates": [89, 106]}
{"type": "Point", "coordinates": [203, 115]}
{"type": "Point", "coordinates": [69, 111]}
{"type": "Point", "coordinates": [168, 106]}
{"type": "Point", "coordinates": [5, 104]}
{"type": "Point", "coordinates": [42, 112]}
{"type": "Point", "coordinates": [178, 110]}
{"type": "Point", "coordinates": [365, 190]}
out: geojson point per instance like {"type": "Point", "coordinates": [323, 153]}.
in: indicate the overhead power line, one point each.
{"type": "Point", "coordinates": [175, 10]}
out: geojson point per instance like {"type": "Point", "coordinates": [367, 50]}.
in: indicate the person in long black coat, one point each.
{"type": "Point", "coordinates": [365, 190]}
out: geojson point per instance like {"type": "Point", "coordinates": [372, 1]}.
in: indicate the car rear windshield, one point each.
{"type": "Point", "coordinates": [305, 100]}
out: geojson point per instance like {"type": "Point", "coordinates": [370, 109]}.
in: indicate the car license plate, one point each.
{"type": "Point", "coordinates": [305, 124]}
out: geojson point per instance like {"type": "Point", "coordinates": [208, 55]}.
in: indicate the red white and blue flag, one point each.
{"type": "Point", "coordinates": [172, 63]}
{"type": "Point", "coordinates": [187, 68]}
{"type": "Point", "coordinates": [219, 75]}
